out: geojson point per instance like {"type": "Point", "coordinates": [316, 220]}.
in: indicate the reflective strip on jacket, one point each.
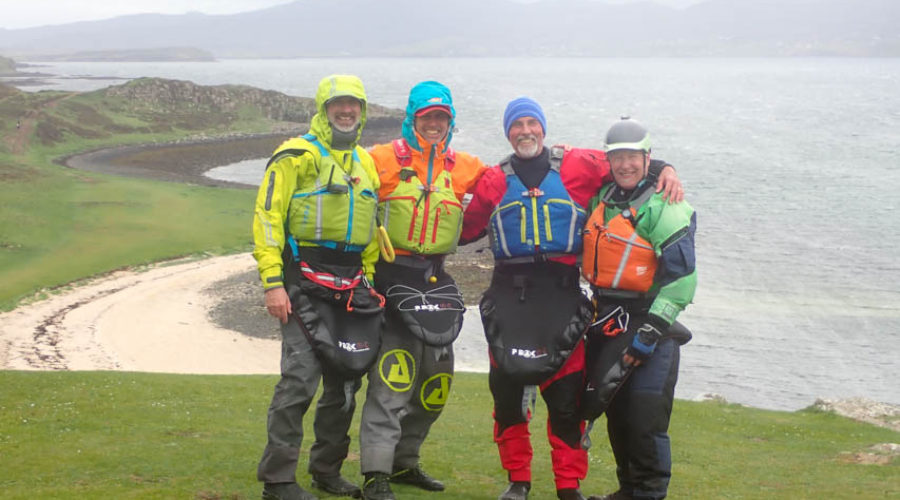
{"type": "Point", "coordinates": [582, 173]}
{"type": "Point", "coordinates": [296, 167]}
{"type": "Point", "coordinates": [544, 220]}
{"type": "Point", "coordinates": [338, 209]}
{"type": "Point", "coordinates": [421, 204]}
{"type": "Point", "coordinates": [669, 229]}
{"type": "Point", "coordinates": [615, 256]}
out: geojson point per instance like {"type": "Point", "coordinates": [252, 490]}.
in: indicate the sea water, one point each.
{"type": "Point", "coordinates": [791, 165]}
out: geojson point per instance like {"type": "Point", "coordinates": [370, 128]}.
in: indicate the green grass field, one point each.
{"type": "Point", "coordinates": [99, 435]}
{"type": "Point", "coordinates": [59, 225]}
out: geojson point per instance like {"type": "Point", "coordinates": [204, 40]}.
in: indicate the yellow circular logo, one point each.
{"type": "Point", "coordinates": [435, 391]}
{"type": "Point", "coordinates": [398, 370]}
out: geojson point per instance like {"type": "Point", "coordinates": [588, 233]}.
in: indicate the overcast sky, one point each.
{"type": "Point", "coordinates": [15, 14]}
{"type": "Point", "coordinates": [28, 13]}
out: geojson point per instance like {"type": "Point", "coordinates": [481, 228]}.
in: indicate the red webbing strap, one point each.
{"type": "Point", "coordinates": [402, 152]}
{"type": "Point", "coordinates": [329, 280]}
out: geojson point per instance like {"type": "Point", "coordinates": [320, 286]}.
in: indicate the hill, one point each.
{"type": "Point", "coordinates": [497, 28]}
{"type": "Point", "coordinates": [161, 106]}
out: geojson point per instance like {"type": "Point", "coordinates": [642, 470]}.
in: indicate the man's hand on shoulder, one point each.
{"type": "Point", "coordinates": [670, 185]}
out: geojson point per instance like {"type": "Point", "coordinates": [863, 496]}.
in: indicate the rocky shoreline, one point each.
{"type": "Point", "coordinates": [188, 159]}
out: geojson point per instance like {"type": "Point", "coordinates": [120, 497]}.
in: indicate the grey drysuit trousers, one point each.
{"type": "Point", "coordinates": [408, 387]}
{"type": "Point", "coordinates": [301, 371]}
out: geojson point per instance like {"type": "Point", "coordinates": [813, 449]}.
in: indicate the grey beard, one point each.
{"type": "Point", "coordinates": [343, 140]}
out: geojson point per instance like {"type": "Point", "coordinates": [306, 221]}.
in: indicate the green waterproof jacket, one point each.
{"type": "Point", "coordinates": [293, 185]}
{"type": "Point", "coordinates": [670, 229]}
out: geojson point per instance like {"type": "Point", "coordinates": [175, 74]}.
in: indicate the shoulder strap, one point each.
{"type": "Point", "coordinates": [314, 141]}
{"type": "Point", "coordinates": [556, 157]}
{"type": "Point", "coordinates": [506, 166]}
{"type": "Point", "coordinates": [606, 194]}
{"type": "Point", "coordinates": [402, 152]}
{"type": "Point", "coordinates": [631, 207]}
{"type": "Point", "coordinates": [449, 160]}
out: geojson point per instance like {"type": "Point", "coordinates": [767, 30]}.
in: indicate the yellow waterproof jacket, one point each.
{"type": "Point", "coordinates": [294, 168]}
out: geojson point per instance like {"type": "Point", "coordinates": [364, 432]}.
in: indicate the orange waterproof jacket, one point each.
{"type": "Point", "coordinates": [429, 163]}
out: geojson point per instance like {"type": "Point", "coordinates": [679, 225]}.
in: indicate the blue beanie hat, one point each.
{"type": "Point", "coordinates": [521, 107]}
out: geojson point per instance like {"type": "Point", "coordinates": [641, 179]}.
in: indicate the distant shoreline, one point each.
{"type": "Point", "coordinates": [187, 161]}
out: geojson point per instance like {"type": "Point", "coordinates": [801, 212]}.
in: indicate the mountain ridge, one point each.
{"type": "Point", "coordinates": [493, 28]}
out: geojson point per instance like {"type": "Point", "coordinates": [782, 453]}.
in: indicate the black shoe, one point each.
{"type": "Point", "coordinates": [418, 478]}
{"type": "Point", "coordinates": [618, 495]}
{"type": "Point", "coordinates": [517, 490]}
{"type": "Point", "coordinates": [569, 494]}
{"type": "Point", "coordinates": [336, 485]}
{"type": "Point", "coordinates": [286, 491]}
{"type": "Point", "coordinates": [377, 487]}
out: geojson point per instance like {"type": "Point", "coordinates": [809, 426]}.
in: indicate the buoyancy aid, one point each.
{"type": "Point", "coordinates": [338, 209]}
{"type": "Point", "coordinates": [615, 256]}
{"type": "Point", "coordinates": [540, 221]}
{"type": "Point", "coordinates": [419, 218]}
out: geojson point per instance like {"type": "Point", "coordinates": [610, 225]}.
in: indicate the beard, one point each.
{"type": "Point", "coordinates": [529, 149]}
{"type": "Point", "coordinates": [346, 130]}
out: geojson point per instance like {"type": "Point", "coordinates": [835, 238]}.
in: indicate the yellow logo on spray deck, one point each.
{"type": "Point", "coordinates": [435, 391]}
{"type": "Point", "coordinates": [397, 369]}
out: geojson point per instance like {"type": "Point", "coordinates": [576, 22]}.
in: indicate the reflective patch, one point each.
{"type": "Point", "coordinates": [435, 391]}
{"type": "Point", "coordinates": [397, 369]}
{"type": "Point", "coordinates": [269, 190]}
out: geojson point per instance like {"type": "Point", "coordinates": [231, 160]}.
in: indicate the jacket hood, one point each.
{"type": "Point", "coordinates": [424, 95]}
{"type": "Point", "coordinates": [329, 88]}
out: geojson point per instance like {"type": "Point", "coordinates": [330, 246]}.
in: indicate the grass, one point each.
{"type": "Point", "coordinates": [59, 225]}
{"type": "Point", "coordinates": [135, 435]}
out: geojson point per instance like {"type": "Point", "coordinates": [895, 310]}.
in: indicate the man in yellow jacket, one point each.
{"type": "Point", "coordinates": [313, 241]}
{"type": "Point", "coordinates": [423, 182]}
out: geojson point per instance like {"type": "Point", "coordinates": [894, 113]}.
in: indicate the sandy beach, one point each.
{"type": "Point", "coordinates": [200, 316]}
{"type": "Point", "coordinates": [153, 320]}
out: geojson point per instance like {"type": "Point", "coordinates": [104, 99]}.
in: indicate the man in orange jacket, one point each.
{"type": "Point", "coordinates": [423, 182]}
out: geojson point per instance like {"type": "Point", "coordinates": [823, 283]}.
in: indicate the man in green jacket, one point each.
{"type": "Point", "coordinates": [312, 230]}
{"type": "Point", "coordinates": [639, 259]}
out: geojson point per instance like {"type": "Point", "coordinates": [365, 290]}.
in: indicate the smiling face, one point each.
{"type": "Point", "coordinates": [628, 167]}
{"type": "Point", "coordinates": [344, 113]}
{"type": "Point", "coordinates": [433, 125]}
{"type": "Point", "coordinates": [526, 137]}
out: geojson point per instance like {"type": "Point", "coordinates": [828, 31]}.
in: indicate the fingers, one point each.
{"type": "Point", "coordinates": [279, 311]}
{"type": "Point", "coordinates": [631, 360]}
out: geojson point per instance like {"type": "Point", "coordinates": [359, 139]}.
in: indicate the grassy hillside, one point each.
{"type": "Point", "coordinates": [59, 225]}
{"type": "Point", "coordinates": [132, 435]}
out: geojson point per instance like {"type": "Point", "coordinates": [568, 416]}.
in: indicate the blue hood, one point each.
{"type": "Point", "coordinates": [423, 95]}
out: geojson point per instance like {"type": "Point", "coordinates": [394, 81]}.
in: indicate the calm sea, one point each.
{"type": "Point", "coordinates": [791, 164]}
